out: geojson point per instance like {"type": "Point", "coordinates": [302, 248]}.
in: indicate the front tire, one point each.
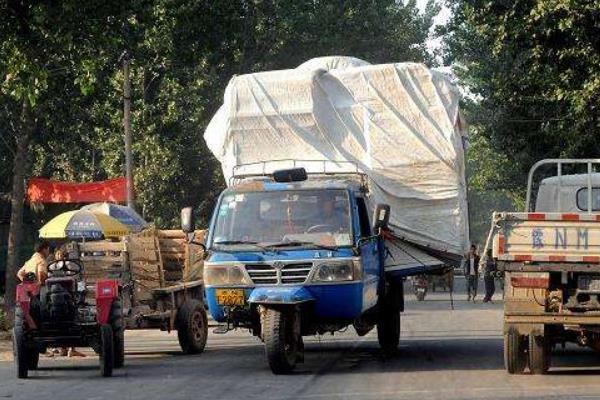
{"type": "Point", "coordinates": [116, 322]}
{"type": "Point", "coordinates": [539, 353]}
{"type": "Point", "coordinates": [107, 352]}
{"type": "Point", "coordinates": [515, 359]}
{"type": "Point", "coordinates": [281, 344]}
{"type": "Point", "coordinates": [20, 352]}
{"type": "Point", "coordinates": [192, 327]}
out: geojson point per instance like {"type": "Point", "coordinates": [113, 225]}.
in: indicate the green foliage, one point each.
{"type": "Point", "coordinates": [63, 58]}
{"type": "Point", "coordinates": [533, 69]}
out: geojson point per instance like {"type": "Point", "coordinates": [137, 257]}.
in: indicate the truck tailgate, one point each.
{"type": "Point", "coordinates": [547, 237]}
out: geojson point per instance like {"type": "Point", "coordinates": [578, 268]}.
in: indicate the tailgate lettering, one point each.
{"type": "Point", "coordinates": [560, 239]}
{"type": "Point", "coordinates": [582, 234]}
{"type": "Point", "coordinates": [537, 235]}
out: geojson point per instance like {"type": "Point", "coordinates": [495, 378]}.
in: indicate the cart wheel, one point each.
{"type": "Point", "coordinates": [107, 353]}
{"type": "Point", "coordinates": [116, 322]}
{"type": "Point", "coordinates": [192, 327]}
{"type": "Point", "coordinates": [539, 353]}
{"type": "Point", "coordinates": [281, 345]}
{"type": "Point", "coordinates": [21, 352]}
{"type": "Point", "coordinates": [515, 358]}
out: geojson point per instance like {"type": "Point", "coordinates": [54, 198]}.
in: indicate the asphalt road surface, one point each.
{"type": "Point", "coordinates": [444, 354]}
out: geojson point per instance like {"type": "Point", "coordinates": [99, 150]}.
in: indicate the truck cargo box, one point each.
{"type": "Point", "coordinates": [399, 123]}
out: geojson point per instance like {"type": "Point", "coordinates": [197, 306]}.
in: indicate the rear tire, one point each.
{"type": "Point", "coordinates": [515, 359]}
{"type": "Point", "coordinates": [116, 322]}
{"type": "Point", "coordinates": [420, 295]}
{"type": "Point", "coordinates": [107, 353]}
{"type": "Point", "coordinates": [388, 328]}
{"type": "Point", "coordinates": [192, 327]}
{"type": "Point", "coordinates": [281, 345]}
{"type": "Point", "coordinates": [539, 353]}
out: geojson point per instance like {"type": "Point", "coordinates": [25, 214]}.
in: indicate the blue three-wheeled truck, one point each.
{"type": "Point", "coordinates": [288, 256]}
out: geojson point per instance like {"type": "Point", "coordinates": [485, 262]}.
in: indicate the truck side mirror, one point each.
{"type": "Point", "coordinates": [188, 224]}
{"type": "Point", "coordinates": [381, 217]}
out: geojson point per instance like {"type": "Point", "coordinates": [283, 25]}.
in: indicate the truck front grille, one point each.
{"type": "Point", "coordinates": [279, 273]}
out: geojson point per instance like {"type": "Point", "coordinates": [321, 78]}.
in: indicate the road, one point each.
{"type": "Point", "coordinates": [449, 354]}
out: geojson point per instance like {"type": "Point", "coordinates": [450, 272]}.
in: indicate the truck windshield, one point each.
{"type": "Point", "coordinates": [302, 218]}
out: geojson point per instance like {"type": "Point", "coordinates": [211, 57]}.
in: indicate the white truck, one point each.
{"type": "Point", "coordinates": [551, 260]}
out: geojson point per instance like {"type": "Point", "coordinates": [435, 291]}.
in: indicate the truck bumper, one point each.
{"type": "Point", "coordinates": [552, 319]}
{"type": "Point", "coordinates": [329, 301]}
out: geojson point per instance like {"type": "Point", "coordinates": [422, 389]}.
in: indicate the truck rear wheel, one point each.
{"type": "Point", "coordinates": [281, 343]}
{"type": "Point", "coordinates": [388, 328]}
{"type": "Point", "coordinates": [515, 359]}
{"type": "Point", "coordinates": [192, 327]}
{"type": "Point", "coordinates": [107, 351]}
{"type": "Point", "coordinates": [539, 353]}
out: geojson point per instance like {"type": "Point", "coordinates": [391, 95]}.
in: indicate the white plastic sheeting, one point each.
{"type": "Point", "coordinates": [399, 123]}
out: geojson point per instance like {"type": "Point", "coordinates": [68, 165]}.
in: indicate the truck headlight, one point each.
{"type": "Point", "coordinates": [335, 272]}
{"type": "Point", "coordinates": [225, 275]}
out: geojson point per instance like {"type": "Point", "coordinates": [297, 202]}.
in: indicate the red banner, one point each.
{"type": "Point", "coordinates": [41, 190]}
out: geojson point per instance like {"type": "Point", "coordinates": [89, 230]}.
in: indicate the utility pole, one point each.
{"type": "Point", "coordinates": [127, 128]}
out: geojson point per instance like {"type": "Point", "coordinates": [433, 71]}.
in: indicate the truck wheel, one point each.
{"type": "Point", "coordinates": [192, 327]}
{"type": "Point", "coordinates": [515, 358]}
{"type": "Point", "coordinates": [116, 322]}
{"type": "Point", "coordinates": [388, 329]}
{"type": "Point", "coordinates": [21, 352]}
{"type": "Point", "coordinates": [281, 344]}
{"type": "Point", "coordinates": [539, 354]}
{"type": "Point", "coordinates": [107, 352]}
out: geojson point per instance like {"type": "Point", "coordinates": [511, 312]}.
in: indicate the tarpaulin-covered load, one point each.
{"type": "Point", "coordinates": [399, 123]}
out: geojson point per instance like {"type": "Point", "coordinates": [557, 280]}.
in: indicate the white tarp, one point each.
{"type": "Point", "coordinates": [399, 123]}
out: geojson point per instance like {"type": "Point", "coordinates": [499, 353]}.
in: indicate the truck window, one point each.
{"type": "Point", "coordinates": [363, 217]}
{"type": "Point", "coordinates": [582, 199]}
{"type": "Point", "coordinates": [313, 216]}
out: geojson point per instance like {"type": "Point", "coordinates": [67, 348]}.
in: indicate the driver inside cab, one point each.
{"type": "Point", "coordinates": [333, 217]}
{"type": "Point", "coordinates": [37, 263]}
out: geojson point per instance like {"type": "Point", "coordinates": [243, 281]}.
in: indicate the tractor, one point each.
{"type": "Point", "coordinates": [64, 312]}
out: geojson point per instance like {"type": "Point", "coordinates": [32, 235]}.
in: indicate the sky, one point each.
{"type": "Point", "coordinates": [442, 18]}
{"type": "Point", "coordinates": [443, 15]}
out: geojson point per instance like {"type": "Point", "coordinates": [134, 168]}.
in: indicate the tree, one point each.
{"type": "Point", "coordinates": [61, 82]}
{"type": "Point", "coordinates": [533, 68]}
{"type": "Point", "coordinates": [32, 52]}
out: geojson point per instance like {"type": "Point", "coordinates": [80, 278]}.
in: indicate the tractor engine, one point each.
{"type": "Point", "coordinates": [59, 300]}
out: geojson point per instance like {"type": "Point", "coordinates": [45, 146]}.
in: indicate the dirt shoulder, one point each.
{"type": "Point", "coordinates": [5, 347]}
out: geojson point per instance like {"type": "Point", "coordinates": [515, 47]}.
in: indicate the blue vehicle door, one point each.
{"type": "Point", "coordinates": [369, 254]}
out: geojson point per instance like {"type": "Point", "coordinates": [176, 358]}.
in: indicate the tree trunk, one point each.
{"type": "Point", "coordinates": [17, 195]}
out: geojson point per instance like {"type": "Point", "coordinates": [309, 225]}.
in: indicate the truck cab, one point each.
{"type": "Point", "coordinates": [289, 256]}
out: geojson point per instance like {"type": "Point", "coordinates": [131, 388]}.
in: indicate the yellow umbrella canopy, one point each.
{"type": "Point", "coordinates": [83, 224]}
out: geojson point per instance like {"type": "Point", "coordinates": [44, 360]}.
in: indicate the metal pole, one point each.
{"type": "Point", "coordinates": [127, 129]}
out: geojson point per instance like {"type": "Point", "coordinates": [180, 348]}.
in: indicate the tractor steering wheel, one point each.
{"type": "Point", "coordinates": [66, 267]}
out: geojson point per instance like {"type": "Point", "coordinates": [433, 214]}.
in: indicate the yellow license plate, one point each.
{"type": "Point", "coordinates": [230, 297]}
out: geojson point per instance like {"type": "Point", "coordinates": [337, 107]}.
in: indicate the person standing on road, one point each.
{"type": "Point", "coordinates": [489, 277]}
{"type": "Point", "coordinates": [471, 272]}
